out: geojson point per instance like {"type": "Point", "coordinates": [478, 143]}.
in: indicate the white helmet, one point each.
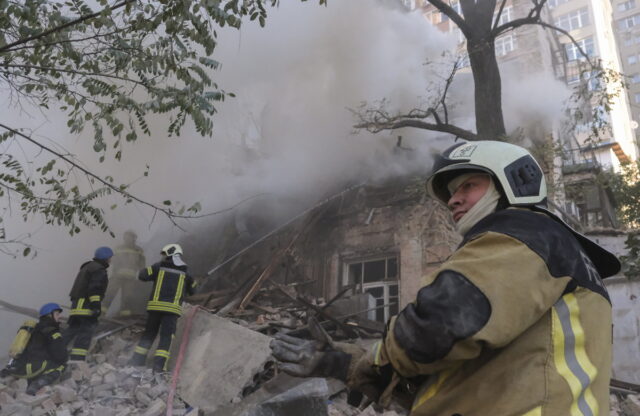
{"type": "Point", "coordinates": [171, 250]}
{"type": "Point", "coordinates": [516, 171]}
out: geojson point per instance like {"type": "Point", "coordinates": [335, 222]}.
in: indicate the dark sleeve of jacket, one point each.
{"type": "Point", "coordinates": [150, 273]}
{"type": "Point", "coordinates": [96, 287]}
{"type": "Point", "coordinates": [190, 286]}
{"type": "Point", "coordinates": [56, 347]}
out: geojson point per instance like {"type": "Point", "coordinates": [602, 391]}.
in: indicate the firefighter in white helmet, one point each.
{"type": "Point", "coordinates": [516, 322]}
{"type": "Point", "coordinates": [170, 283]}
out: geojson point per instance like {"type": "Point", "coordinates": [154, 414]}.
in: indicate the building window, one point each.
{"type": "Point", "coordinates": [573, 53]}
{"type": "Point", "coordinates": [627, 5]}
{"type": "Point", "coordinates": [573, 78]}
{"type": "Point", "coordinates": [505, 44]}
{"type": "Point", "coordinates": [379, 278]}
{"type": "Point", "coordinates": [636, 98]}
{"type": "Point", "coordinates": [505, 16]}
{"type": "Point", "coordinates": [556, 3]}
{"type": "Point", "coordinates": [574, 20]}
{"type": "Point", "coordinates": [632, 59]}
{"type": "Point", "coordinates": [629, 22]}
{"type": "Point", "coordinates": [635, 78]}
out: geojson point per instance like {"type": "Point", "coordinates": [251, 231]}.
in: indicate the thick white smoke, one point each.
{"type": "Point", "coordinates": [288, 133]}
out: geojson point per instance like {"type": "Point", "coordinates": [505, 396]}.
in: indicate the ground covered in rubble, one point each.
{"type": "Point", "coordinates": [103, 386]}
{"type": "Point", "coordinates": [106, 386]}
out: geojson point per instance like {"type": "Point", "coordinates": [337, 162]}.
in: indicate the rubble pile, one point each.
{"type": "Point", "coordinates": [103, 386]}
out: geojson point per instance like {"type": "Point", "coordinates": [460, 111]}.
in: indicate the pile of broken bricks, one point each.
{"type": "Point", "coordinates": [226, 370]}
{"type": "Point", "coordinates": [103, 386]}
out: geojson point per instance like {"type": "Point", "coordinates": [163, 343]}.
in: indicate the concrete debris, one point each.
{"type": "Point", "coordinates": [310, 395]}
{"type": "Point", "coordinates": [221, 360]}
{"type": "Point", "coordinates": [631, 406]}
{"type": "Point", "coordinates": [99, 387]}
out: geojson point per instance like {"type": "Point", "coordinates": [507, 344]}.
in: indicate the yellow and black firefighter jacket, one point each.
{"type": "Point", "coordinates": [89, 288]}
{"type": "Point", "coordinates": [45, 352]}
{"type": "Point", "coordinates": [170, 284]}
{"type": "Point", "coordinates": [126, 262]}
{"type": "Point", "coordinates": [516, 322]}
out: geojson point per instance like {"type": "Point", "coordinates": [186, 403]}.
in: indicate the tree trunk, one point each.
{"type": "Point", "coordinates": [488, 88]}
{"type": "Point", "coordinates": [478, 16]}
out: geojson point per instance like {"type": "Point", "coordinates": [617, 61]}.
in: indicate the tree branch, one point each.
{"type": "Point", "coordinates": [571, 38]}
{"type": "Point", "coordinates": [453, 15]}
{"type": "Point", "coordinates": [72, 71]}
{"type": "Point", "coordinates": [8, 47]}
{"type": "Point", "coordinates": [532, 18]}
{"type": "Point", "coordinates": [397, 124]}
{"type": "Point", "coordinates": [495, 24]}
{"type": "Point", "coordinates": [92, 175]}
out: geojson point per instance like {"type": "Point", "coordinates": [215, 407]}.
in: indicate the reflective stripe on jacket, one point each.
{"type": "Point", "coordinates": [170, 285]}
{"type": "Point", "coordinates": [516, 323]}
{"type": "Point", "coordinates": [89, 288]}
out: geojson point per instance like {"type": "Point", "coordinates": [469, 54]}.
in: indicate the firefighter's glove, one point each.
{"type": "Point", "coordinates": [304, 358]}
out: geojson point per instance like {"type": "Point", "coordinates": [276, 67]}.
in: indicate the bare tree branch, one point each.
{"type": "Point", "coordinates": [495, 24]}
{"type": "Point", "coordinates": [533, 17]}
{"type": "Point", "coordinates": [453, 15]}
{"type": "Point", "coordinates": [420, 124]}
{"type": "Point", "coordinates": [571, 38]}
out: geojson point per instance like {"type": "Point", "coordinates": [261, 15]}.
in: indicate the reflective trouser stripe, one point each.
{"type": "Point", "coordinates": [29, 373]}
{"type": "Point", "coordinates": [79, 351]}
{"type": "Point", "coordinates": [534, 412]}
{"type": "Point", "coordinates": [94, 298]}
{"type": "Point", "coordinates": [162, 353]}
{"type": "Point", "coordinates": [141, 350]}
{"type": "Point", "coordinates": [60, 368]}
{"type": "Point", "coordinates": [162, 356]}
{"type": "Point", "coordinates": [570, 356]}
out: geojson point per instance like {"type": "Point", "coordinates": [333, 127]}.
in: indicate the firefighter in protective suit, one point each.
{"type": "Point", "coordinates": [517, 322]}
{"type": "Point", "coordinates": [86, 296]}
{"type": "Point", "coordinates": [45, 355]}
{"type": "Point", "coordinates": [127, 260]}
{"type": "Point", "coordinates": [170, 283]}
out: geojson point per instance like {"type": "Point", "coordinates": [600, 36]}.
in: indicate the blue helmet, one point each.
{"type": "Point", "coordinates": [103, 253]}
{"type": "Point", "coordinates": [47, 308]}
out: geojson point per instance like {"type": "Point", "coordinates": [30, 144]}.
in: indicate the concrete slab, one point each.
{"type": "Point", "coordinates": [220, 361]}
{"type": "Point", "coordinates": [283, 395]}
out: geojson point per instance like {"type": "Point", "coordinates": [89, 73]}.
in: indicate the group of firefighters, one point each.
{"type": "Point", "coordinates": [40, 350]}
{"type": "Point", "coordinates": [517, 322]}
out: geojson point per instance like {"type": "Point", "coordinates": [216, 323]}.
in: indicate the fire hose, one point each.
{"type": "Point", "coordinates": [176, 369]}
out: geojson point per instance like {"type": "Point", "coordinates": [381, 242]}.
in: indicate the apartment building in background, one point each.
{"type": "Point", "coordinates": [626, 16]}
{"type": "Point", "coordinates": [596, 26]}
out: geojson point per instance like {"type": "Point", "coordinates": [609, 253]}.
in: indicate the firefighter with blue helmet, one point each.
{"type": "Point", "coordinates": [39, 353]}
{"type": "Point", "coordinates": [86, 296]}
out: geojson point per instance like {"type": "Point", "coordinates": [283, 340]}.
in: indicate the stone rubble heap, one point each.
{"type": "Point", "coordinates": [104, 386]}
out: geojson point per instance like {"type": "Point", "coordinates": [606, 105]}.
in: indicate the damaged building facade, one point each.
{"type": "Point", "coordinates": [378, 239]}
